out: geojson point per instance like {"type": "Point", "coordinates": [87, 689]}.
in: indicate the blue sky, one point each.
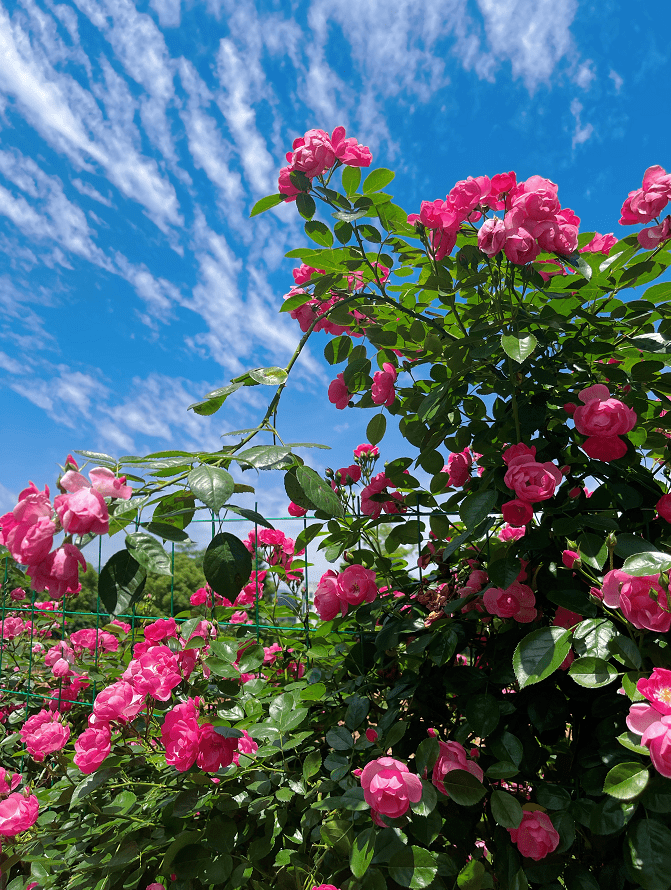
{"type": "Point", "coordinates": [137, 136]}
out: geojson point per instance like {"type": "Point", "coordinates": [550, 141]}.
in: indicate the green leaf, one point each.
{"type": "Point", "coordinates": [211, 485]}
{"type": "Point", "coordinates": [166, 531]}
{"type": "Point", "coordinates": [227, 565]}
{"type": "Point", "coordinates": [320, 233]}
{"type": "Point", "coordinates": [319, 492]}
{"type": "Point", "coordinates": [463, 787]}
{"type": "Point", "coordinates": [312, 764]}
{"type": "Point", "coordinates": [632, 742]}
{"type": "Point", "coordinates": [413, 867]}
{"type": "Point", "coordinates": [121, 582]}
{"type": "Point", "coordinates": [376, 429]}
{"type": "Point", "coordinates": [540, 653]}
{"type": "Point", "coordinates": [426, 755]}
{"type": "Point", "coordinates": [482, 713]}
{"type": "Point", "coordinates": [648, 854]}
{"type": "Point", "coordinates": [305, 205]}
{"type": "Point", "coordinates": [350, 216]}
{"type": "Point", "coordinates": [506, 809]}
{"type": "Point", "coordinates": [626, 781]}
{"type": "Point", "coordinates": [90, 783]}
{"type": "Point", "coordinates": [357, 710]}
{"type": "Point", "coordinates": [471, 876]}
{"type": "Point", "coordinates": [518, 348]}
{"type": "Point", "coordinates": [651, 563]}
{"type": "Point", "coordinates": [351, 177]}
{"type": "Point", "coordinates": [361, 854]}
{"type": "Point", "coordinates": [427, 803]}
{"type": "Point", "coordinates": [339, 738]}
{"type": "Point", "coordinates": [284, 714]}
{"type": "Point", "coordinates": [502, 770]}
{"type": "Point", "coordinates": [377, 180]}
{"type": "Point", "coordinates": [176, 509]}
{"type": "Point", "coordinates": [215, 399]}
{"type": "Point", "coordinates": [272, 376]}
{"type": "Point", "coordinates": [337, 349]}
{"type": "Point", "coordinates": [266, 203]}
{"type": "Point", "coordinates": [592, 672]}
{"type": "Point", "coordinates": [313, 692]}
{"type": "Point", "coordinates": [266, 457]}
{"type": "Point", "coordinates": [593, 550]}
{"type": "Point", "coordinates": [251, 659]}
{"type": "Point", "coordinates": [476, 507]}
{"type": "Point", "coordinates": [149, 553]}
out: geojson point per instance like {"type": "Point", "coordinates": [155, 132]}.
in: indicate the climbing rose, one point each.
{"type": "Point", "coordinates": [59, 572]}
{"type": "Point", "coordinates": [389, 787]}
{"type": "Point", "coordinates": [536, 836]}
{"type": "Point", "coordinates": [357, 585]}
{"type": "Point", "coordinates": [214, 751]}
{"type": "Point", "coordinates": [603, 419]}
{"type": "Point", "coordinates": [295, 510]}
{"type": "Point", "coordinates": [634, 596]}
{"type": "Point", "coordinates": [349, 475]}
{"type": "Point", "coordinates": [17, 813]}
{"type": "Point", "coordinates": [459, 468]}
{"type": "Point", "coordinates": [119, 702]}
{"type": "Point", "coordinates": [28, 531]}
{"type": "Point", "coordinates": [43, 734]}
{"type": "Point", "coordinates": [327, 596]}
{"type": "Point", "coordinates": [516, 601]}
{"type": "Point", "coordinates": [383, 392]}
{"type": "Point", "coordinates": [349, 151]}
{"type": "Point", "coordinates": [366, 450]}
{"type": "Point", "coordinates": [531, 481]}
{"type": "Point", "coordinates": [600, 244]}
{"type": "Point", "coordinates": [452, 756]}
{"type": "Point", "coordinates": [180, 734]}
{"type": "Point", "coordinates": [312, 154]}
{"type": "Point", "coordinates": [517, 513]}
{"type": "Point", "coordinates": [663, 507]}
{"type": "Point", "coordinates": [569, 558]}
{"type": "Point", "coordinates": [155, 673]}
{"type": "Point", "coordinates": [338, 393]}
{"type": "Point", "coordinates": [92, 747]}
{"type": "Point", "coordinates": [492, 236]}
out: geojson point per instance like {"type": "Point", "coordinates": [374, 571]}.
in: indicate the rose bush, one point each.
{"type": "Point", "coordinates": [492, 710]}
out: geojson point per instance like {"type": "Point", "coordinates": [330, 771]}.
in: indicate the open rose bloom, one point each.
{"type": "Point", "coordinates": [389, 787]}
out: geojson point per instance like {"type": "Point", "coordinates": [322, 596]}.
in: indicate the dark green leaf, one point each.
{"type": "Point", "coordinates": [376, 429]}
{"type": "Point", "coordinates": [166, 531]}
{"type": "Point", "coordinates": [90, 783]}
{"type": "Point", "coordinates": [211, 485]}
{"type": "Point", "coordinates": [215, 399]}
{"type": "Point", "coordinates": [482, 713]}
{"type": "Point", "coordinates": [463, 787]}
{"type": "Point", "coordinates": [413, 867]}
{"type": "Point", "coordinates": [312, 764]}
{"type": "Point", "coordinates": [266, 203]}
{"type": "Point", "coordinates": [121, 582]}
{"type": "Point", "coordinates": [476, 507]}
{"type": "Point", "coordinates": [506, 809]}
{"type": "Point", "coordinates": [305, 205]}
{"type": "Point", "coordinates": [540, 653]}
{"type": "Point", "coordinates": [319, 492]}
{"type": "Point", "coordinates": [266, 457]}
{"type": "Point", "coordinates": [648, 854]}
{"type": "Point", "coordinates": [227, 565]}
{"type": "Point", "coordinates": [149, 553]}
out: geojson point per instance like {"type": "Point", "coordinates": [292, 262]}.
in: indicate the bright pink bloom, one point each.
{"type": "Point", "coordinates": [92, 747]}
{"type": "Point", "coordinates": [536, 836]}
{"type": "Point", "coordinates": [569, 557]}
{"type": "Point", "coordinates": [90, 638]}
{"type": "Point", "coordinates": [642, 600]}
{"type": "Point", "coordinates": [18, 812]}
{"type": "Point", "coordinates": [43, 734]}
{"type": "Point", "coordinates": [600, 244]}
{"type": "Point", "coordinates": [516, 601]}
{"type": "Point", "coordinates": [28, 531]}
{"type": "Point", "coordinates": [378, 485]}
{"type": "Point", "coordinates": [327, 597]}
{"type": "Point", "coordinates": [59, 572]}
{"type": "Point", "coordinates": [118, 702]}
{"type": "Point", "coordinates": [109, 486]}
{"type": "Point", "coordinates": [530, 480]}
{"type": "Point", "coordinates": [650, 238]}
{"type": "Point", "coordinates": [295, 510]}
{"type": "Point", "coordinates": [82, 512]}
{"type": "Point", "coordinates": [155, 673]}
{"type": "Point", "coordinates": [338, 393]}
{"type": "Point", "coordinates": [180, 735]}
{"type": "Point", "coordinates": [162, 629]}
{"type": "Point", "coordinates": [246, 746]}
{"type": "Point", "coordinates": [663, 507]}
{"type": "Point", "coordinates": [492, 236]}
{"type": "Point", "coordinates": [285, 186]}
{"type": "Point", "coordinates": [556, 236]}
{"type": "Point", "coordinates": [349, 475]}
{"type": "Point", "coordinates": [313, 153]}
{"type": "Point", "coordinates": [510, 533]}
{"type": "Point", "coordinates": [9, 781]}
{"type": "Point", "coordinates": [357, 585]}
{"type": "Point", "coordinates": [304, 273]}
{"type": "Point", "coordinates": [520, 246]}
{"type": "Point", "coordinates": [383, 392]}
{"type": "Point", "coordinates": [459, 468]}
{"type": "Point", "coordinates": [389, 787]}
{"type": "Point", "coordinates": [657, 689]}
{"type": "Point", "coordinates": [214, 751]}
{"type": "Point", "coordinates": [365, 450]}
{"type": "Point", "coordinates": [602, 416]}
{"type": "Point", "coordinates": [517, 513]}
{"type": "Point", "coordinates": [326, 886]}
{"type": "Point", "coordinates": [452, 756]}
{"type": "Point", "coordinates": [644, 204]}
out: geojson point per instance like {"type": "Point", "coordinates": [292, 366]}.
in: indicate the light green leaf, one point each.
{"type": "Point", "coordinates": [361, 854]}
{"type": "Point", "coordinates": [149, 553]}
{"type": "Point", "coordinates": [518, 348]}
{"type": "Point", "coordinates": [592, 672]}
{"type": "Point", "coordinates": [269, 376]}
{"type": "Point", "coordinates": [626, 780]}
{"type": "Point", "coordinates": [266, 203]}
{"type": "Point", "coordinates": [319, 233]}
{"type": "Point", "coordinates": [211, 485]}
{"type": "Point", "coordinates": [377, 180]}
{"type": "Point", "coordinates": [651, 563]}
{"type": "Point", "coordinates": [413, 867]}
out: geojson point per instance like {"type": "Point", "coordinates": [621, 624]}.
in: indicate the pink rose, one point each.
{"type": "Point", "coordinates": [349, 151]}
{"type": "Point", "coordinates": [327, 597]}
{"type": "Point", "coordinates": [538, 204]}
{"type": "Point", "coordinates": [492, 236]}
{"type": "Point", "coordinates": [43, 734]}
{"type": "Point", "coordinates": [313, 153]}
{"type": "Point", "coordinates": [246, 746]}
{"type": "Point", "coordinates": [357, 585]}
{"type": "Point", "coordinates": [119, 702]}
{"type": "Point", "coordinates": [348, 475]}
{"type": "Point", "coordinates": [600, 415]}
{"type": "Point", "coordinates": [92, 747]}
{"type": "Point", "coordinates": [657, 689]}
{"type": "Point", "coordinates": [325, 886]}
{"type": "Point", "coordinates": [303, 274]}
{"type": "Point", "coordinates": [214, 751]}
{"type": "Point", "coordinates": [516, 601]}
{"type": "Point", "coordinates": [338, 393]}
{"type": "Point", "coordinates": [520, 246]}
{"type": "Point", "coordinates": [155, 673]}
{"type": "Point", "coordinates": [459, 468]}
{"type": "Point", "coordinates": [556, 236]}
{"type": "Point", "coordinates": [382, 391]}
{"type": "Point", "coordinates": [366, 451]}
{"type": "Point", "coordinates": [18, 812]}
{"type": "Point", "coordinates": [285, 186]}
{"type": "Point", "coordinates": [663, 507]}
{"type": "Point", "coordinates": [650, 238]}
{"type": "Point", "coordinates": [180, 735]}
{"type": "Point", "coordinates": [28, 531]}
{"type": "Point", "coordinates": [59, 572]}
{"type": "Point", "coordinates": [536, 836]}
{"type": "Point", "coordinates": [634, 596]}
{"type": "Point", "coordinates": [600, 244]}
{"type": "Point", "coordinates": [569, 558]}
{"type": "Point", "coordinates": [530, 480]}
{"type": "Point", "coordinates": [452, 756]}
{"type": "Point", "coordinates": [510, 533]}
{"type": "Point", "coordinates": [517, 513]}
{"type": "Point", "coordinates": [295, 510]}
{"type": "Point", "coordinates": [162, 629]}
{"type": "Point", "coordinates": [389, 787]}
{"type": "Point", "coordinates": [109, 486]}
{"type": "Point", "coordinates": [377, 485]}
{"type": "Point", "coordinates": [83, 512]}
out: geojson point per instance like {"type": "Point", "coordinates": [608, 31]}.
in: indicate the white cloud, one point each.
{"type": "Point", "coordinates": [533, 35]}
{"type": "Point", "coordinates": [169, 12]}
{"type": "Point", "coordinates": [159, 294]}
{"type": "Point", "coordinates": [7, 363]}
{"type": "Point", "coordinates": [66, 397]}
{"type": "Point", "coordinates": [581, 133]}
{"type": "Point", "coordinates": [85, 189]}
{"type": "Point", "coordinates": [585, 75]}
{"type": "Point", "coordinates": [617, 80]}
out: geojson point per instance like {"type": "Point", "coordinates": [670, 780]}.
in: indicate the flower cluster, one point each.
{"type": "Point", "coordinates": [335, 592]}
{"type": "Point", "coordinates": [645, 204]}
{"type": "Point", "coordinates": [28, 530]}
{"type": "Point", "coordinates": [603, 420]}
{"type": "Point", "coordinates": [278, 550]}
{"type": "Point", "coordinates": [531, 481]}
{"type": "Point", "coordinates": [316, 152]}
{"type": "Point", "coordinates": [642, 600]}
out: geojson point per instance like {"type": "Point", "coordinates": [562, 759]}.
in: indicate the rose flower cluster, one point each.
{"type": "Point", "coordinates": [316, 152]}
{"type": "Point", "coordinates": [645, 204]}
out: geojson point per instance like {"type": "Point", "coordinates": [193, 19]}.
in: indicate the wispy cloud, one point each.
{"type": "Point", "coordinates": [581, 133]}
